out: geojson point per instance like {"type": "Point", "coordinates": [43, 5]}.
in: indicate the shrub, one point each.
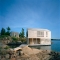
{"type": "Point", "coordinates": [14, 39]}
{"type": "Point", "coordinates": [7, 47]}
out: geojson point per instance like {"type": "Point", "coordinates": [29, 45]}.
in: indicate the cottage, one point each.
{"type": "Point", "coordinates": [38, 36]}
{"type": "Point", "coordinates": [14, 34]}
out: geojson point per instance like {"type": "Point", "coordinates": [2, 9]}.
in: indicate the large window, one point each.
{"type": "Point", "coordinates": [46, 34]}
{"type": "Point", "coordinates": [40, 34]}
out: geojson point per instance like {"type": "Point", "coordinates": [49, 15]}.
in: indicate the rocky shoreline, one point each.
{"type": "Point", "coordinates": [28, 53]}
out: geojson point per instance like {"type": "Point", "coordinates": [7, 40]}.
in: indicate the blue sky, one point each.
{"type": "Point", "coordinates": [25, 14]}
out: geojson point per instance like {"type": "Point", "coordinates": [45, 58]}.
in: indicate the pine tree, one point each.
{"type": "Point", "coordinates": [22, 33]}
{"type": "Point", "coordinates": [8, 31]}
{"type": "Point", "coordinates": [3, 31]}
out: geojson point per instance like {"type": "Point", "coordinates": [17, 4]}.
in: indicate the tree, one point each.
{"type": "Point", "coordinates": [0, 33]}
{"type": "Point", "coordinates": [8, 31]}
{"type": "Point", "coordinates": [3, 31]}
{"type": "Point", "coordinates": [22, 33]}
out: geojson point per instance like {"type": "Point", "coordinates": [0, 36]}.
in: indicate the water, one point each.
{"type": "Point", "coordinates": [55, 46]}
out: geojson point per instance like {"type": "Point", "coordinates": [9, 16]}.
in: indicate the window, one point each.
{"type": "Point", "coordinates": [40, 34]}
{"type": "Point", "coordinates": [46, 34]}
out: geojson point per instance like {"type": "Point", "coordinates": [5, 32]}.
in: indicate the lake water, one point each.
{"type": "Point", "coordinates": [55, 46]}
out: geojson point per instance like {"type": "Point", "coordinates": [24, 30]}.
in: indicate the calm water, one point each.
{"type": "Point", "coordinates": [54, 47]}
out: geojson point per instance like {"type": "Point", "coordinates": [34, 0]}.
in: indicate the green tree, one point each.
{"type": "Point", "coordinates": [0, 33]}
{"type": "Point", "coordinates": [8, 31]}
{"type": "Point", "coordinates": [3, 31]}
{"type": "Point", "coordinates": [22, 33]}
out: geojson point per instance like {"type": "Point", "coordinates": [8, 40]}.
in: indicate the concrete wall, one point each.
{"type": "Point", "coordinates": [33, 34]}
{"type": "Point", "coordinates": [44, 40]}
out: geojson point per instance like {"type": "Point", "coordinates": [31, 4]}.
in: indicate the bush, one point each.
{"type": "Point", "coordinates": [0, 47]}
{"type": "Point", "coordinates": [7, 47]}
{"type": "Point", "coordinates": [3, 52]}
{"type": "Point", "coordinates": [14, 39]}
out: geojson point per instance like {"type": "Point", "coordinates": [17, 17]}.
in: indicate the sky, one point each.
{"type": "Point", "coordinates": [18, 14]}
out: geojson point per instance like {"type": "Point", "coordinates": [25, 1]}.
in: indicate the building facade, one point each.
{"type": "Point", "coordinates": [14, 34]}
{"type": "Point", "coordinates": [38, 37]}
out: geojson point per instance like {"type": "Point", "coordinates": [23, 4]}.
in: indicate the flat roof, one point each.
{"type": "Point", "coordinates": [38, 29]}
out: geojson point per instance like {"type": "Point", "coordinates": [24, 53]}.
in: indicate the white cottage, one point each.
{"type": "Point", "coordinates": [38, 36]}
{"type": "Point", "coordinates": [14, 34]}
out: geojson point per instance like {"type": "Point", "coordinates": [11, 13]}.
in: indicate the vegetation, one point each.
{"type": "Point", "coordinates": [8, 31]}
{"type": "Point", "coordinates": [21, 35]}
{"type": "Point", "coordinates": [7, 47]}
{"type": "Point", "coordinates": [14, 39]}
{"type": "Point", "coordinates": [0, 47]}
{"type": "Point", "coordinates": [5, 33]}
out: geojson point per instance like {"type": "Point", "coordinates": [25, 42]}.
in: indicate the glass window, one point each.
{"type": "Point", "coordinates": [40, 34]}
{"type": "Point", "coordinates": [46, 34]}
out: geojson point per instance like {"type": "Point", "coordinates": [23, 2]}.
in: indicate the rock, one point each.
{"type": "Point", "coordinates": [21, 53]}
{"type": "Point", "coordinates": [54, 55]}
{"type": "Point", "coordinates": [29, 51]}
{"type": "Point", "coordinates": [7, 55]}
{"type": "Point", "coordinates": [0, 57]}
{"type": "Point", "coordinates": [33, 57]}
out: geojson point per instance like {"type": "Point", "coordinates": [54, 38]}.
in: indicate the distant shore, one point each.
{"type": "Point", "coordinates": [55, 39]}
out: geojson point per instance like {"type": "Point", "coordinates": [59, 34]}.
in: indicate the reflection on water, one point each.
{"type": "Point", "coordinates": [46, 47]}
{"type": "Point", "coordinates": [42, 47]}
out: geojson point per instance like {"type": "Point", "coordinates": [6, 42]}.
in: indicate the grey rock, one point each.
{"type": "Point", "coordinates": [7, 55]}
